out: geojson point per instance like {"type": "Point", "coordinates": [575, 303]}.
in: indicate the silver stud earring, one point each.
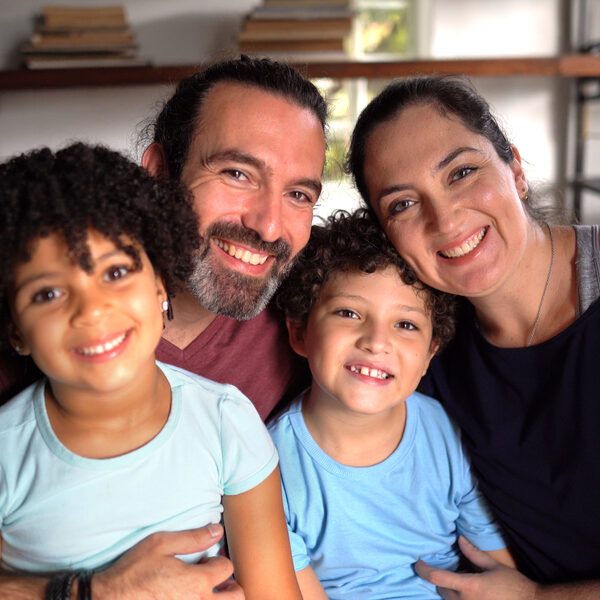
{"type": "Point", "coordinates": [19, 349]}
{"type": "Point", "coordinates": [165, 305]}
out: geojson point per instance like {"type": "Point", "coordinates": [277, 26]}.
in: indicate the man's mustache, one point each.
{"type": "Point", "coordinates": [233, 232]}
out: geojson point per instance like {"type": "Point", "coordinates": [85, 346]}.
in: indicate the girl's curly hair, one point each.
{"type": "Point", "coordinates": [355, 242]}
{"type": "Point", "coordinates": [85, 187]}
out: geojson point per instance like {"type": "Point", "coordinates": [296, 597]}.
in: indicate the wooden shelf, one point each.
{"type": "Point", "coordinates": [570, 65]}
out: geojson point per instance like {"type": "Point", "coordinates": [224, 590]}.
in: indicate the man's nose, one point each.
{"type": "Point", "coordinates": [264, 215]}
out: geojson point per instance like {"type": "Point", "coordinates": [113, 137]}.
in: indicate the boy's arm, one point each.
{"type": "Point", "coordinates": [258, 542]}
{"type": "Point", "coordinates": [310, 586]}
{"type": "Point", "coordinates": [498, 582]}
{"type": "Point", "coordinates": [148, 571]}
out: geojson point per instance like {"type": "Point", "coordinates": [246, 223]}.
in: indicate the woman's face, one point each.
{"type": "Point", "coordinates": [446, 200]}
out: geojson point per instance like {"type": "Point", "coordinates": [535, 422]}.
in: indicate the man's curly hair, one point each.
{"type": "Point", "coordinates": [85, 187]}
{"type": "Point", "coordinates": [355, 242]}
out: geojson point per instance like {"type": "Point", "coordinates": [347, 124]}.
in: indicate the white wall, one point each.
{"type": "Point", "coordinates": [190, 31]}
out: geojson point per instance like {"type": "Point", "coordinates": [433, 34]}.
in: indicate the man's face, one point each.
{"type": "Point", "coordinates": [254, 168]}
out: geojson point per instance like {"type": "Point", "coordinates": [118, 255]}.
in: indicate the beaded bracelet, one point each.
{"type": "Point", "coordinates": [84, 578]}
{"type": "Point", "coordinates": [59, 586]}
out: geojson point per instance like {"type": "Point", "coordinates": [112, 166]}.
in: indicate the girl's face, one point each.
{"type": "Point", "coordinates": [446, 200]}
{"type": "Point", "coordinates": [87, 332]}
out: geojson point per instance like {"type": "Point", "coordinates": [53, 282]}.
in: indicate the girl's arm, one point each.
{"type": "Point", "coordinates": [310, 586]}
{"type": "Point", "coordinates": [258, 542]}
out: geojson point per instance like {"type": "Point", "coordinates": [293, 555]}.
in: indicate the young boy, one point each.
{"type": "Point", "coordinates": [374, 474]}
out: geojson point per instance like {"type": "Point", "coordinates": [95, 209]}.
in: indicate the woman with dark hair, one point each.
{"type": "Point", "coordinates": [521, 376]}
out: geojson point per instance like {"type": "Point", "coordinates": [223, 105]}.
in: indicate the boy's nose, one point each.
{"type": "Point", "coordinates": [375, 338]}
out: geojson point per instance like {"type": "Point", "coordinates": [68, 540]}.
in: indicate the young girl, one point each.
{"type": "Point", "coordinates": [109, 446]}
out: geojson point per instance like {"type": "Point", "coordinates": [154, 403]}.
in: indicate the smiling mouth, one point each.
{"type": "Point", "coordinates": [102, 348]}
{"type": "Point", "coordinates": [245, 256]}
{"type": "Point", "coordinates": [369, 372]}
{"type": "Point", "coordinates": [466, 247]}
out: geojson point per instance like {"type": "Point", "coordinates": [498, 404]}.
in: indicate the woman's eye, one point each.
{"type": "Point", "coordinates": [46, 295]}
{"type": "Point", "coordinates": [117, 272]}
{"type": "Point", "coordinates": [462, 173]}
{"type": "Point", "coordinates": [400, 206]}
{"type": "Point", "coordinates": [407, 325]}
{"type": "Point", "coordinates": [346, 313]}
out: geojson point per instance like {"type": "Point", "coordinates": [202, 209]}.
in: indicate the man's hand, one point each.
{"type": "Point", "coordinates": [495, 582]}
{"type": "Point", "coordinates": [150, 571]}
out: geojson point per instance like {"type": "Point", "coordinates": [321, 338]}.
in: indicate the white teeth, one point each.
{"type": "Point", "coordinates": [465, 247]}
{"type": "Point", "coordinates": [376, 373]}
{"type": "Point", "coordinates": [244, 255]}
{"type": "Point", "coordinates": [101, 348]}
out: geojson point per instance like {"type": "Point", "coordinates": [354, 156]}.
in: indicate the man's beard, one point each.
{"type": "Point", "coordinates": [224, 291]}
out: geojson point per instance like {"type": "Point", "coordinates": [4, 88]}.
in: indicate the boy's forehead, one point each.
{"type": "Point", "coordinates": [356, 283]}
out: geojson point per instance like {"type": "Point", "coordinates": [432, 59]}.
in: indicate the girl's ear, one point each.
{"type": "Point", "coordinates": [154, 160]}
{"type": "Point", "coordinates": [296, 331]}
{"type": "Point", "coordinates": [17, 341]}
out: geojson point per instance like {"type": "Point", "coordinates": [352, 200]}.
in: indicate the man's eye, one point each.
{"type": "Point", "coordinates": [117, 272]}
{"type": "Point", "coordinates": [346, 313]}
{"type": "Point", "coordinates": [301, 197]}
{"type": "Point", "coordinates": [400, 206]}
{"type": "Point", "coordinates": [46, 295]}
{"type": "Point", "coordinates": [235, 174]}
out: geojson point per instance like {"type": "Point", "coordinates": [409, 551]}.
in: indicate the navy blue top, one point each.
{"type": "Point", "coordinates": [531, 422]}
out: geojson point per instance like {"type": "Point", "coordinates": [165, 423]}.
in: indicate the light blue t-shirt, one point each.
{"type": "Point", "coordinates": [363, 528]}
{"type": "Point", "coordinates": [59, 510]}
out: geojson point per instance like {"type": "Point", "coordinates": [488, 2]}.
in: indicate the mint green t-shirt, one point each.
{"type": "Point", "coordinates": [59, 510]}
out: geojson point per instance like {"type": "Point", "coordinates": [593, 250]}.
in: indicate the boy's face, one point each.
{"type": "Point", "coordinates": [367, 341]}
{"type": "Point", "coordinates": [87, 332]}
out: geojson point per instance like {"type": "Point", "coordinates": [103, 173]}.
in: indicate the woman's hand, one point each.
{"type": "Point", "coordinates": [495, 582]}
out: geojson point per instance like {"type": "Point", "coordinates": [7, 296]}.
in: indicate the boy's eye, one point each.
{"type": "Point", "coordinates": [407, 325]}
{"type": "Point", "coordinates": [46, 295]}
{"type": "Point", "coordinates": [116, 272]}
{"type": "Point", "coordinates": [346, 313]}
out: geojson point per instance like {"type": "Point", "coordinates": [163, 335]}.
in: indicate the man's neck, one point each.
{"type": "Point", "coordinates": [190, 319]}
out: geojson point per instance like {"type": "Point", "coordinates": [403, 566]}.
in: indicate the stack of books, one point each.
{"type": "Point", "coordinates": [75, 37]}
{"type": "Point", "coordinates": [298, 29]}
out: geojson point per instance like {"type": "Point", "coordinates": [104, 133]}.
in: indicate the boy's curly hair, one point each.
{"type": "Point", "coordinates": [355, 242]}
{"type": "Point", "coordinates": [82, 187]}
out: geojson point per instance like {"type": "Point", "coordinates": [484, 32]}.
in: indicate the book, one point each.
{"type": "Point", "coordinates": [304, 3]}
{"type": "Point", "coordinates": [287, 46]}
{"type": "Point", "coordinates": [83, 16]}
{"type": "Point", "coordinates": [81, 61]}
{"type": "Point", "coordinates": [303, 12]}
{"type": "Point", "coordinates": [83, 38]}
{"type": "Point", "coordinates": [28, 48]}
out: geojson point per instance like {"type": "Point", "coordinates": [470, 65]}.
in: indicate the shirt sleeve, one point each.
{"type": "Point", "coordinates": [249, 455]}
{"type": "Point", "coordinates": [475, 520]}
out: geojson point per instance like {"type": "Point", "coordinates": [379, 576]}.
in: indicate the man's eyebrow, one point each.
{"type": "Point", "coordinates": [313, 184]}
{"type": "Point", "coordinates": [452, 155]}
{"type": "Point", "coordinates": [238, 156]}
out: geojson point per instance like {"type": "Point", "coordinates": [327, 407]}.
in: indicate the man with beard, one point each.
{"type": "Point", "coordinates": [246, 137]}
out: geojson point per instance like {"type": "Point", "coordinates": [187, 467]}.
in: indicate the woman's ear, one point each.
{"type": "Point", "coordinates": [154, 160]}
{"type": "Point", "coordinates": [517, 169]}
{"type": "Point", "coordinates": [296, 331]}
{"type": "Point", "coordinates": [17, 341]}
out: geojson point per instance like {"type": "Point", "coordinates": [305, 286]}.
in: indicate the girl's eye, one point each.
{"type": "Point", "coordinates": [117, 272]}
{"type": "Point", "coordinates": [461, 173]}
{"type": "Point", "coordinates": [399, 206]}
{"type": "Point", "coordinates": [407, 325]}
{"type": "Point", "coordinates": [346, 313]}
{"type": "Point", "coordinates": [46, 295]}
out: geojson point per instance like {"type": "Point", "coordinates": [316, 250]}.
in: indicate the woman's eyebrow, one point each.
{"type": "Point", "coordinates": [452, 155]}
